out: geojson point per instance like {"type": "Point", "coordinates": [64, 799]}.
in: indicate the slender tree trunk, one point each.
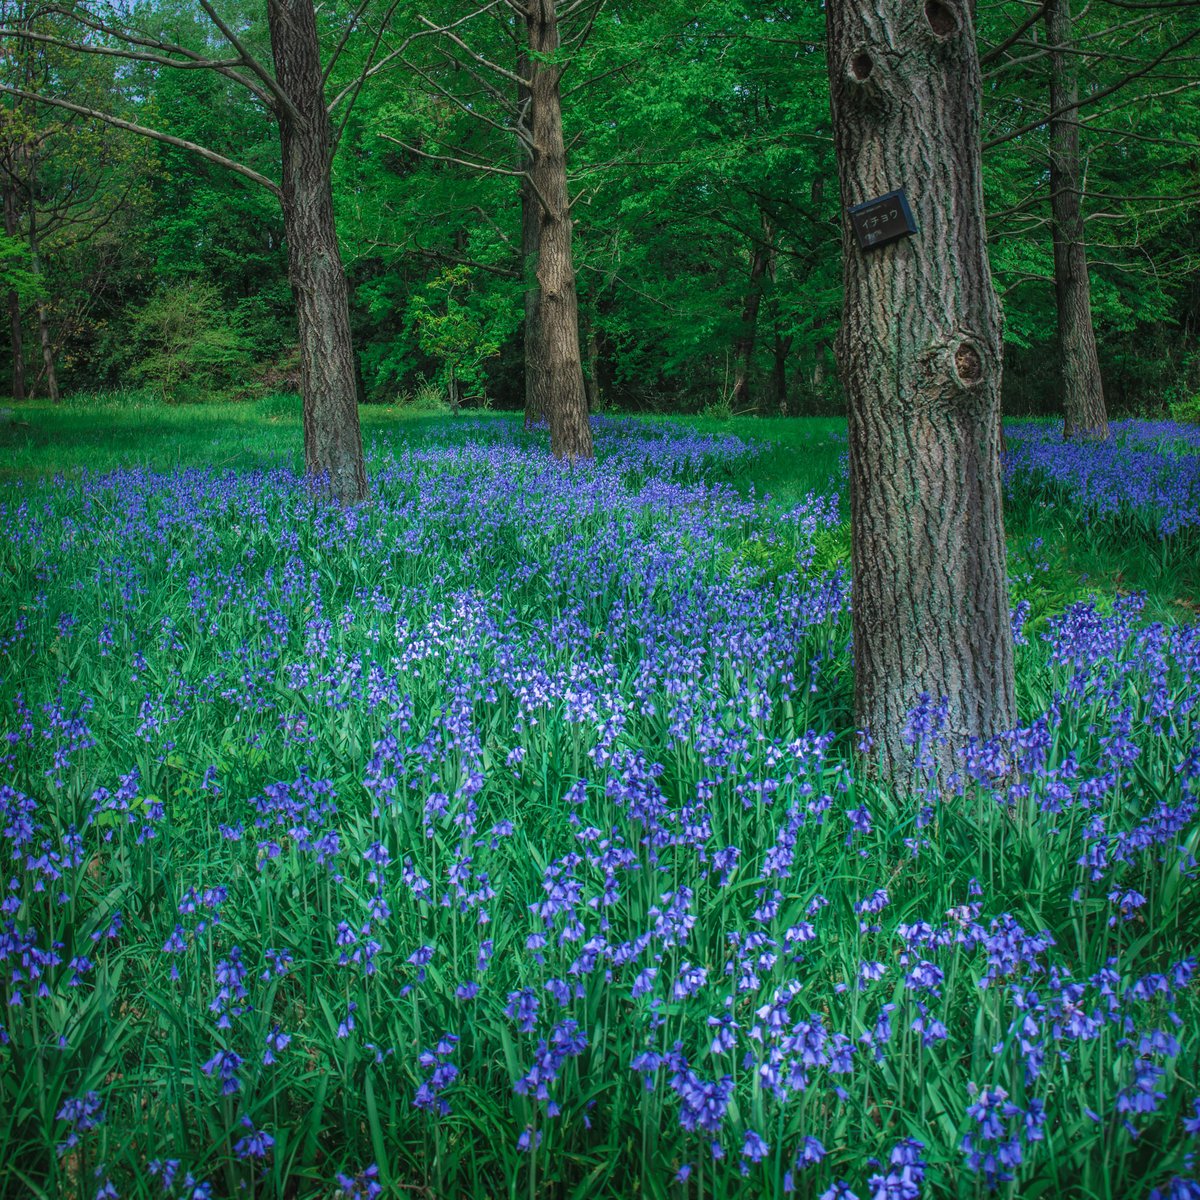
{"type": "Point", "coordinates": [818, 370]}
{"type": "Point", "coordinates": [1084, 411]}
{"type": "Point", "coordinates": [332, 438]}
{"type": "Point", "coordinates": [557, 384]}
{"type": "Point", "coordinates": [783, 347]}
{"type": "Point", "coordinates": [14, 301]}
{"type": "Point", "coordinates": [919, 352]}
{"type": "Point", "coordinates": [761, 256]}
{"type": "Point", "coordinates": [591, 381]}
{"type": "Point", "coordinates": [35, 253]}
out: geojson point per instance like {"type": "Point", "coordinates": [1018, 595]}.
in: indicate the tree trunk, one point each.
{"type": "Point", "coordinates": [818, 370]}
{"type": "Point", "coordinates": [332, 439]}
{"type": "Point", "coordinates": [557, 383]}
{"type": "Point", "coordinates": [530, 226]}
{"type": "Point", "coordinates": [591, 382]}
{"type": "Point", "coordinates": [1084, 411]}
{"type": "Point", "coordinates": [783, 347]}
{"type": "Point", "coordinates": [762, 267]}
{"type": "Point", "coordinates": [761, 255]}
{"type": "Point", "coordinates": [14, 301]}
{"type": "Point", "coordinates": [919, 353]}
{"type": "Point", "coordinates": [48, 372]}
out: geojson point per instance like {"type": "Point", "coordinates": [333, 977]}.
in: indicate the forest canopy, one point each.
{"type": "Point", "coordinates": [707, 236]}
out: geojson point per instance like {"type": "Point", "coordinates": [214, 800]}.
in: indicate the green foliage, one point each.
{"type": "Point", "coordinates": [459, 336]}
{"type": "Point", "coordinates": [16, 270]}
{"type": "Point", "coordinates": [279, 407]}
{"type": "Point", "coordinates": [1187, 409]}
{"type": "Point", "coordinates": [696, 138]}
{"type": "Point", "coordinates": [426, 399]}
{"type": "Point", "coordinates": [183, 344]}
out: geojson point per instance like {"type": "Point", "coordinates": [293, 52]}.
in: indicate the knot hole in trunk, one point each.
{"type": "Point", "coordinates": [943, 18]}
{"type": "Point", "coordinates": [861, 65]}
{"type": "Point", "coordinates": [968, 364]}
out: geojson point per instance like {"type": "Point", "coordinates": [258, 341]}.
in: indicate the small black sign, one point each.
{"type": "Point", "coordinates": [882, 220]}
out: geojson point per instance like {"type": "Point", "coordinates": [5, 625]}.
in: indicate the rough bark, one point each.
{"type": "Point", "coordinates": [556, 370]}
{"type": "Point", "coordinates": [530, 226]}
{"type": "Point", "coordinates": [1084, 412]}
{"type": "Point", "coordinates": [16, 341]}
{"type": "Point", "coordinates": [332, 438]}
{"type": "Point", "coordinates": [919, 352]}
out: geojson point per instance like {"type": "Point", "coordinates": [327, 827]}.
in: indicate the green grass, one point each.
{"type": "Point", "coordinates": [43, 440]}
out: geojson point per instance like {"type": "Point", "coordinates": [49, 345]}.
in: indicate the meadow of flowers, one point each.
{"type": "Point", "coordinates": [506, 836]}
{"type": "Point", "coordinates": [1148, 474]}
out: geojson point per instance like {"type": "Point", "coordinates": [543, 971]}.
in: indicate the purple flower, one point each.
{"type": "Point", "coordinates": [225, 1065]}
{"type": "Point", "coordinates": [689, 981]}
{"type": "Point", "coordinates": [255, 1143]}
{"type": "Point", "coordinates": [364, 1185]}
{"type": "Point", "coordinates": [522, 1008]}
{"type": "Point", "coordinates": [754, 1149]}
{"type": "Point", "coordinates": [529, 1140]}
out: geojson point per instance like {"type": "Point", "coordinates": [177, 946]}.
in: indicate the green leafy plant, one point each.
{"type": "Point", "coordinates": [459, 335]}
{"type": "Point", "coordinates": [185, 345]}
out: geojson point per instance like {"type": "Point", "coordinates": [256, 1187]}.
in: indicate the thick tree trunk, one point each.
{"type": "Point", "coordinates": [557, 371]}
{"type": "Point", "coordinates": [48, 372]}
{"type": "Point", "coordinates": [332, 438]}
{"type": "Point", "coordinates": [16, 340]}
{"type": "Point", "coordinates": [1084, 411]}
{"type": "Point", "coordinates": [530, 227]}
{"type": "Point", "coordinates": [919, 352]}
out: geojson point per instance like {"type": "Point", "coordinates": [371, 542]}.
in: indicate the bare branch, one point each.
{"type": "Point", "coordinates": [505, 102]}
{"type": "Point", "coordinates": [997, 51]}
{"type": "Point", "coordinates": [350, 27]}
{"type": "Point", "coordinates": [373, 68]}
{"type": "Point", "coordinates": [517, 130]}
{"type": "Point", "coordinates": [442, 256]}
{"type": "Point", "coordinates": [579, 40]}
{"type": "Point", "coordinates": [155, 134]}
{"type": "Point", "coordinates": [483, 62]}
{"type": "Point", "coordinates": [449, 158]}
{"type": "Point", "coordinates": [1153, 5]}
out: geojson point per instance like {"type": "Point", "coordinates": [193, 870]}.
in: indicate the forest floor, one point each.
{"type": "Point", "coordinates": [801, 455]}
{"type": "Point", "coordinates": [508, 835]}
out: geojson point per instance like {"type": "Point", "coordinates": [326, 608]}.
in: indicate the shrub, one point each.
{"type": "Point", "coordinates": [185, 346]}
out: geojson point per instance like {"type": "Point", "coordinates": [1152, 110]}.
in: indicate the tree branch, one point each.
{"type": "Point", "coordinates": [448, 158]}
{"type": "Point", "coordinates": [350, 26]}
{"type": "Point", "coordinates": [1095, 97]}
{"type": "Point", "coordinates": [192, 61]}
{"type": "Point", "coordinates": [269, 81]}
{"type": "Point", "coordinates": [512, 76]}
{"type": "Point", "coordinates": [155, 134]}
{"type": "Point", "coordinates": [1013, 37]}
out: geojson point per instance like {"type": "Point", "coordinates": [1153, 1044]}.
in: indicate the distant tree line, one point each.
{"type": "Point", "coordinates": [686, 232]}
